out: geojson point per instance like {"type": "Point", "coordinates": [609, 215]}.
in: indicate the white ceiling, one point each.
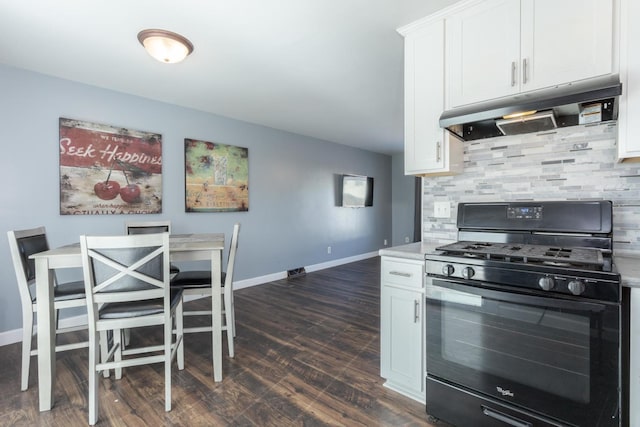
{"type": "Point", "coordinates": [330, 69]}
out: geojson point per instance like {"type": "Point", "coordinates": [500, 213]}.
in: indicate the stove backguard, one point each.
{"type": "Point", "coordinates": [577, 217]}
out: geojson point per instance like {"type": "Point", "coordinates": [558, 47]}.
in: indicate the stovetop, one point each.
{"type": "Point", "coordinates": [568, 257]}
{"type": "Point", "coordinates": [555, 270]}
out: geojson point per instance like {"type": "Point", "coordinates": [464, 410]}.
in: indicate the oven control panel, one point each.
{"type": "Point", "coordinates": [548, 281]}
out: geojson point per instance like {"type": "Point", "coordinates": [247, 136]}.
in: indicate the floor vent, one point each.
{"type": "Point", "coordinates": [296, 272]}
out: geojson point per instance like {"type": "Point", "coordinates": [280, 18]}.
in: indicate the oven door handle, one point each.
{"type": "Point", "coordinates": [518, 298]}
{"type": "Point", "coordinates": [507, 419]}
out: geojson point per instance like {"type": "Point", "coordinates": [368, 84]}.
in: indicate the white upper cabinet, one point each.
{"type": "Point", "coordinates": [628, 124]}
{"type": "Point", "coordinates": [429, 149]}
{"type": "Point", "coordinates": [483, 51]}
{"type": "Point", "coordinates": [566, 41]}
{"type": "Point", "coordinates": [497, 48]}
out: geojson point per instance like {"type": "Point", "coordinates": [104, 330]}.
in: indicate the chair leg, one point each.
{"type": "Point", "coordinates": [117, 356]}
{"type": "Point", "coordinates": [233, 315]}
{"type": "Point", "coordinates": [167, 364]}
{"type": "Point", "coordinates": [27, 336]}
{"type": "Point", "coordinates": [127, 337]}
{"type": "Point", "coordinates": [179, 334]}
{"type": "Point", "coordinates": [104, 350]}
{"type": "Point", "coordinates": [228, 310]}
{"type": "Point", "coordinates": [93, 378]}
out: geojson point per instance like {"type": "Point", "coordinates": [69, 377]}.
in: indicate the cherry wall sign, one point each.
{"type": "Point", "coordinates": [107, 170]}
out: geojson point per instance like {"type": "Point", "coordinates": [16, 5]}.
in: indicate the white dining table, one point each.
{"type": "Point", "coordinates": [183, 247]}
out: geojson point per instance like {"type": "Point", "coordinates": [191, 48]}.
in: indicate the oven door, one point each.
{"type": "Point", "coordinates": [557, 357]}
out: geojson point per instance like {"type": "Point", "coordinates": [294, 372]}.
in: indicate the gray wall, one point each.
{"type": "Point", "coordinates": [292, 215]}
{"type": "Point", "coordinates": [572, 163]}
{"type": "Point", "coordinates": [402, 202]}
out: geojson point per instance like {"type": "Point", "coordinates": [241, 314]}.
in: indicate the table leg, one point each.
{"type": "Point", "coordinates": [216, 314]}
{"type": "Point", "coordinates": [46, 331]}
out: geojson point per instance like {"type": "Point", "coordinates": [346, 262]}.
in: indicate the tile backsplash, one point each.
{"type": "Point", "coordinates": [574, 163]}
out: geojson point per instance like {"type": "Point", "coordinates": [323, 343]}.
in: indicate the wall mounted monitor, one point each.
{"type": "Point", "coordinates": [357, 191]}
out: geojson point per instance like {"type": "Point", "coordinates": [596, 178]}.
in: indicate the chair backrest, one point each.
{"type": "Point", "coordinates": [232, 255]}
{"type": "Point", "coordinates": [147, 227]}
{"type": "Point", "coordinates": [124, 268]}
{"type": "Point", "coordinates": [24, 243]}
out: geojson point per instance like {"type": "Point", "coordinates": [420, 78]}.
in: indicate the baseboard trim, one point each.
{"type": "Point", "coordinates": [337, 262]}
{"type": "Point", "coordinates": [15, 335]}
{"type": "Point", "coordinates": [240, 284]}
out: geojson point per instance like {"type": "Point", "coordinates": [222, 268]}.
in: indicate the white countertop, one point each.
{"type": "Point", "coordinates": [628, 265]}
{"type": "Point", "coordinates": [416, 250]}
{"type": "Point", "coordinates": [629, 268]}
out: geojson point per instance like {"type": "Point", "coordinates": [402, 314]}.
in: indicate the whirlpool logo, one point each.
{"type": "Point", "coordinates": [505, 392]}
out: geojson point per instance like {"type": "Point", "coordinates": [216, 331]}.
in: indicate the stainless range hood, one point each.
{"type": "Point", "coordinates": [587, 101]}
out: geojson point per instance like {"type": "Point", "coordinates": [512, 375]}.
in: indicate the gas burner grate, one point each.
{"type": "Point", "coordinates": [590, 258]}
{"type": "Point", "coordinates": [558, 253]}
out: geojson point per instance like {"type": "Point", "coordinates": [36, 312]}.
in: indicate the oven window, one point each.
{"type": "Point", "coordinates": [528, 345]}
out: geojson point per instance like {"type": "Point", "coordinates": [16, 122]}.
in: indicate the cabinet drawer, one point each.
{"type": "Point", "coordinates": [402, 272]}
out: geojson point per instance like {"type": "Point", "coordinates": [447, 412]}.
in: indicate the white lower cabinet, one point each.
{"type": "Point", "coordinates": [402, 329]}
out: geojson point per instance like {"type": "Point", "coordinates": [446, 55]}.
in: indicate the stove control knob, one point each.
{"type": "Point", "coordinates": [576, 287]}
{"type": "Point", "coordinates": [546, 283]}
{"type": "Point", "coordinates": [448, 270]}
{"type": "Point", "coordinates": [468, 272]}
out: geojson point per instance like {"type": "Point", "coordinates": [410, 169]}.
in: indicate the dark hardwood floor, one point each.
{"type": "Point", "coordinates": [307, 353]}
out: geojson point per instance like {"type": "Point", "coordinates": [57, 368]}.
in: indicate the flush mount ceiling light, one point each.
{"type": "Point", "coordinates": [165, 46]}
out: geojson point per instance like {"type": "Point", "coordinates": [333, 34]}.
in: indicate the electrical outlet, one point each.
{"type": "Point", "coordinates": [385, 242]}
{"type": "Point", "coordinates": [441, 210]}
{"type": "Point", "coordinates": [407, 240]}
{"type": "Point", "coordinates": [328, 249]}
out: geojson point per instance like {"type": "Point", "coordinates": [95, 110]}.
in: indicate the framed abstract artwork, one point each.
{"type": "Point", "coordinates": [107, 170]}
{"type": "Point", "coordinates": [216, 177]}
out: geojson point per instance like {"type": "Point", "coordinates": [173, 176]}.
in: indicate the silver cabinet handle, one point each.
{"type": "Point", "coordinates": [416, 311]}
{"type": "Point", "coordinates": [439, 151]}
{"type": "Point", "coordinates": [524, 71]}
{"type": "Point", "coordinates": [400, 273]}
{"type": "Point", "coordinates": [513, 73]}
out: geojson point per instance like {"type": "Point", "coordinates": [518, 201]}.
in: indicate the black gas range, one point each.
{"type": "Point", "coordinates": [523, 317]}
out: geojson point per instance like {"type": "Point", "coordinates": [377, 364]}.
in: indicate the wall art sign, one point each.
{"type": "Point", "coordinates": [216, 177]}
{"type": "Point", "coordinates": [106, 170]}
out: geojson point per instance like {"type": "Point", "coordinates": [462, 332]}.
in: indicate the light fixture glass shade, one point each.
{"type": "Point", "coordinates": [165, 46]}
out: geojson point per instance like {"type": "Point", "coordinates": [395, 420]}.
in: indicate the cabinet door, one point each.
{"type": "Point", "coordinates": [424, 99]}
{"type": "Point", "coordinates": [428, 149]}
{"type": "Point", "coordinates": [565, 41]}
{"type": "Point", "coordinates": [401, 339]}
{"type": "Point", "coordinates": [483, 52]}
{"type": "Point", "coordinates": [628, 126]}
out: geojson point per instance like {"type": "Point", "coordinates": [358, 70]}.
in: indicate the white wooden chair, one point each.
{"type": "Point", "coordinates": [198, 283]}
{"type": "Point", "coordinates": [22, 244]}
{"type": "Point", "coordinates": [147, 227]}
{"type": "Point", "coordinates": [150, 227]}
{"type": "Point", "coordinates": [128, 286]}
